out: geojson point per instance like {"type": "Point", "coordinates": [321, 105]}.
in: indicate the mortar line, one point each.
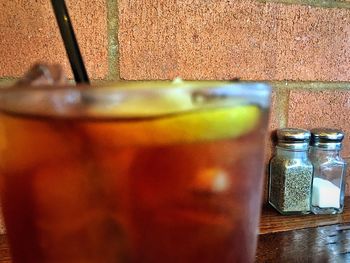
{"type": "Point", "coordinates": [284, 108]}
{"type": "Point", "coordinates": [9, 78]}
{"type": "Point", "coordinates": [310, 85]}
{"type": "Point", "coordinates": [113, 48]}
{"type": "Point", "coordinates": [281, 85]}
{"type": "Point", "coordinates": [281, 106]}
{"type": "Point", "coordinates": [313, 3]}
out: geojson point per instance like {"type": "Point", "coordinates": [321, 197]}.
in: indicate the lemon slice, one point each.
{"type": "Point", "coordinates": [209, 124]}
{"type": "Point", "coordinates": [148, 98]}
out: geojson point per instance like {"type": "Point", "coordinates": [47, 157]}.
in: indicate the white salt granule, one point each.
{"type": "Point", "coordinates": [325, 194]}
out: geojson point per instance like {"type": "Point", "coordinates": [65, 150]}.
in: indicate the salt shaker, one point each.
{"type": "Point", "coordinates": [291, 172]}
{"type": "Point", "coordinates": [328, 185]}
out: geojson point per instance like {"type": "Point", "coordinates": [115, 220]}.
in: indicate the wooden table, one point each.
{"type": "Point", "coordinates": [285, 239]}
{"type": "Point", "coordinates": [308, 238]}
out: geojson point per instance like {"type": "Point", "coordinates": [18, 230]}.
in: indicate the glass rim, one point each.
{"type": "Point", "coordinates": [139, 99]}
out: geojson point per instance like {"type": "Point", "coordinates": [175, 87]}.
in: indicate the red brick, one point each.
{"type": "Point", "coordinates": [227, 39]}
{"type": "Point", "coordinates": [308, 43]}
{"type": "Point", "coordinates": [311, 109]}
{"type": "Point", "coordinates": [29, 33]}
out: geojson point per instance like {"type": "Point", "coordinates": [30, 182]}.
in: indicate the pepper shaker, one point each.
{"type": "Point", "coordinates": [329, 171]}
{"type": "Point", "coordinates": [291, 172]}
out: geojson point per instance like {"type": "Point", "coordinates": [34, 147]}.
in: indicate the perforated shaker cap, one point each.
{"type": "Point", "coordinates": [293, 138]}
{"type": "Point", "coordinates": [327, 138]}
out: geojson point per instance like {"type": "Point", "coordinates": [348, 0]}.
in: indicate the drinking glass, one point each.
{"type": "Point", "coordinates": [133, 171]}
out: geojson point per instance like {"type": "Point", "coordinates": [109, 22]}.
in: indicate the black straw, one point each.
{"type": "Point", "coordinates": [70, 42]}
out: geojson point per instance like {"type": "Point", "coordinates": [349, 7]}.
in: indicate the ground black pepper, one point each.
{"type": "Point", "coordinates": [291, 173]}
{"type": "Point", "coordinates": [290, 185]}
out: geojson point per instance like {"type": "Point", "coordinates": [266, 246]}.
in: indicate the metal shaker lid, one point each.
{"type": "Point", "coordinates": [293, 138]}
{"type": "Point", "coordinates": [327, 138]}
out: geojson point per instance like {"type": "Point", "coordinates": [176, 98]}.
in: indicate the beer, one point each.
{"type": "Point", "coordinates": [168, 186]}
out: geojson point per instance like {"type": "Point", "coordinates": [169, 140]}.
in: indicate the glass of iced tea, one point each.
{"type": "Point", "coordinates": [133, 172]}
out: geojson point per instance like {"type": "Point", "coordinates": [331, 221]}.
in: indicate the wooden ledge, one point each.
{"type": "Point", "coordinates": [271, 221]}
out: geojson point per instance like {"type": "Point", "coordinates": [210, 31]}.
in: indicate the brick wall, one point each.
{"type": "Point", "coordinates": [302, 47]}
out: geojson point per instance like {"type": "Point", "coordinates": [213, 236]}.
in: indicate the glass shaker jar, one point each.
{"type": "Point", "coordinates": [291, 172]}
{"type": "Point", "coordinates": [329, 171]}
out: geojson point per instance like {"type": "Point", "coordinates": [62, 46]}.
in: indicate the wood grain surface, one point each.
{"type": "Point", "coordinates": [271, 221]}
{"type": "Point", "coordinates": [318, 244]}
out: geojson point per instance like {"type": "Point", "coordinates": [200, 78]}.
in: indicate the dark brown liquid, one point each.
{"type": "Point", "coordinates": [72, 194]}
